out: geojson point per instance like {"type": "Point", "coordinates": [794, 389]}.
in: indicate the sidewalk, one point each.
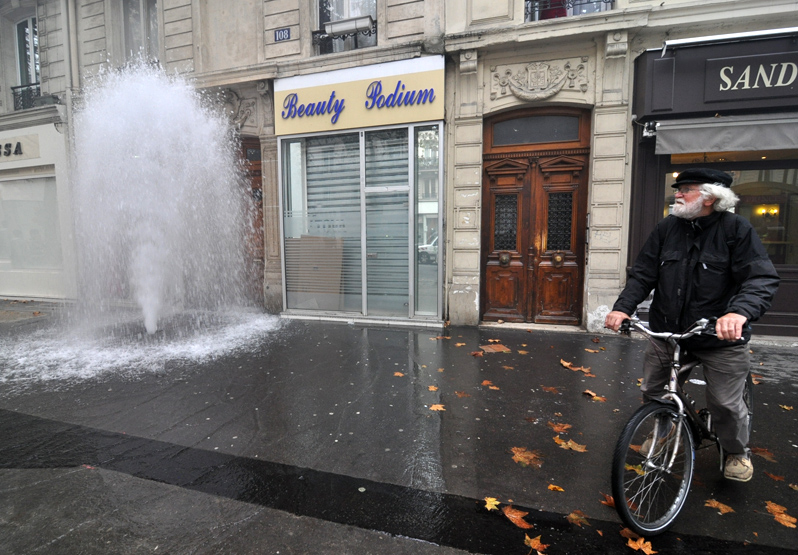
{"type": "Point", "coordinates": [328, 438]}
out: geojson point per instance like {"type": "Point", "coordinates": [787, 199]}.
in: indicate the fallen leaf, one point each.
{"type": "Point", "coordinates": [780, 515]}
{"type": "Point", "coordinates": [433, 388]}
{"type": "Point", "coordinates": [509, 367]}
{"type": "Point", "coordinates": [570, 366]}
{"type": "Point", "coordinates": [608, 500]}
{"type": "Point", "coordinates": [786, 407]}
{"type": "Point", "coordinates": [439, 337]}
{"type": "Point", "coordinates": [596, 340]}
{"type": "Point", "coordinates": [398, 374]}
{"type": "Point", "coordinates": [641, 545]}
{"type": "Point", "coordinates": [578, 518]}
{"type": "Point", "coordinates": [559, 428]}
{"type": "Point", "coordinates": [534, 543]}
{"type": "Point", "coordinates": [491, 504]}
{"type": "Point", "coordinates": [440, 369]}
{"type": "Point", "coordinates": [459, 344]}
{"type": "Point", "coordinates": [527, 458]}
{"type": "Point", "coordinates": [495, 348]}
{"type": "Point", "coordinates": [516, 517]}
{"type": "Point", "coordinates": [437, 407]}
{"type": "Point", "coordinates": [552, 487]}
{"type": "Point", "coordinates": [570, 444]}
{"type": "Point", "coordinates": [494, 340]}
{"type": "Point", "coordinates": [715, 504]}
{"type": "Point", "coordinates": [486, 382]}
{"type": "Point", "coordinates": [774, 477]}
{"type": "Point", "coordinates": [37, 313]}
{"type": "Point", "coordinates": [462, 394]}
{"type": "Point", "coordinates": [523, 352]}
{"type": "Point", "coordinates": [600, 533]}
{"type": "Point", "coordinates": [764, 453]}
{"type": "Point", "coordinates": [594, 397]}
{"type": "Point", "coordinates": [592, 350]}
{"type": "Point", "coordinates": [629, 534]}
{"type": "Point", "coordinates": [550, 389]}
{"type": "Point", "coordinates": [636, 468]}
{"type": "Point", "coordinates": [477, 354]}
{"type": "Point", "coordinates": [794, 486]}
{"type": "Point", "coordinates": [494, 387]}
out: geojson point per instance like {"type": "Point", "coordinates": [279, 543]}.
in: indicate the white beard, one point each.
{"type": "Point", "coordinates": [688, 211]}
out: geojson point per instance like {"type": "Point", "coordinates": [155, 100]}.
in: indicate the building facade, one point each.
{"type": "Point", "coordinates": [419, 161]}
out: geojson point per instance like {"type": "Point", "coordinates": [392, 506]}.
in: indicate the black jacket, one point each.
{"type": "Point", "coordinates": [698, 271]}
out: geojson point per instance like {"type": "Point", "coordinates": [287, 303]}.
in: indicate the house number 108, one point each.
{"type": "Point", "coordinates": [282, 34]}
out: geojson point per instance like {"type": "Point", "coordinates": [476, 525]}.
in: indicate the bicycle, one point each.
{"type": "Point", "coordinates": [652, 466]}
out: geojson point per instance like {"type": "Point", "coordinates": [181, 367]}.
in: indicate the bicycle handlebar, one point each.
{"type": "Point", "coordinates": [702, 326]}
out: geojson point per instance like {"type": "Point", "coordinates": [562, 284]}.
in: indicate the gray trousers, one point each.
{"type": "Point", "coordinates": [725, 371]}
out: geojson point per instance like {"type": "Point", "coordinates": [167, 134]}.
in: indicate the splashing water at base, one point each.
{"type": "Point", "coordinates": [161, 208]}
{"type": "Point", "coordinates": [117, 344]}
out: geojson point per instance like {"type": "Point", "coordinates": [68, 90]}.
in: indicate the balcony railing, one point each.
{"type": "Point", "coordinates": [346, 32]}
{"type": "Point", "coordinates": [25, 96]}
{"type": "Point", "coordinates": [537, 10]}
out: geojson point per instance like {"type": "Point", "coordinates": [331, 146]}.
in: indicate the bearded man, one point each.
{"type": "Point", "coordinates": [702, 262]}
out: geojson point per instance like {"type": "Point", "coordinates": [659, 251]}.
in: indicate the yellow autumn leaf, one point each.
{"type": "Point", "coordinates": [516, 517]}
{"type": "Point", "coordinates": [786, 407]}
{"type": "Point", "coordinates": [592, 350]}
{"type": "Point", "coordinates": [608, 500]}
{"type": "Point", "coordinates": [715, 504]}
{"type": "Point", "coordinates": [459, 344]}
{"type": "Point", "coordinates": [491, 504]}
{"type": "Point", "coordinates": [437, 407]}
{"type": "Point", "coordinates": [636, 468]}
{"type": "Point", "coordinates": [578, 518]}
{"type": "Point", "coordinates": [523, 352]}
{"type": "Point", "coordinates": [552, 487]}
{"type": "Point", "coordinates": [641, 545]}
{"type": "Point", "coordinates": [526, 458]}
{"type": "Point", "coordinates": [398, 374]}
{"type": "Point", "coordinates": [559, 428]}
{"type": "Point", "coordinates": [535, 543]}
{"type": "Point", "coordinates": [433, 388]}
{"type": "Point", "coordinates": [780, 515]}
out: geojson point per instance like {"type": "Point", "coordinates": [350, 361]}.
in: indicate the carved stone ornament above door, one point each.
{"type": "Point", "coordinates": [539, 80]}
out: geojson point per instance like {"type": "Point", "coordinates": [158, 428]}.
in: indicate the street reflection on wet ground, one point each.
{"type": "Point", "coordinates": [320, 437]}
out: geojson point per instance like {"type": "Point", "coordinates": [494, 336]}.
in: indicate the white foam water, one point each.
{"type": "Point", "coordinates": [64, 355]}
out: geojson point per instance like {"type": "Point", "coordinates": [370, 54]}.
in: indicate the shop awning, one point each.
{"type": "Point", "coordinates": [728, 133]}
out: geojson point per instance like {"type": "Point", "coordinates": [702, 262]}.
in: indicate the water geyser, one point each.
{"type": "Point", "coordinates": [161, 207]}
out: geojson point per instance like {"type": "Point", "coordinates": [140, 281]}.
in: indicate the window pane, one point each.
{"type": "Point", "coordinates": [505, 227]}
{"type": "Point", "coordinates": [428, 246]}
{"type": "Point", "coordinates": [133, 32]}
{"type": "Point", "coordinates": [321, 181]}
{"type": "Point", "coordinates": [536, 129]}
{"type": "Point", "coordinates": [30, 235]}
{"type": "Point", "coordinates": [560, 219]}
{"type": "Point", "coordinates": [28, 52]}
{"type": "Point", "coordinates": [387, 259]}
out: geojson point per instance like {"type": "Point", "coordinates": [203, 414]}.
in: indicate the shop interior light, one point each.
{"type": "Point", "coordinates": [348, 26]}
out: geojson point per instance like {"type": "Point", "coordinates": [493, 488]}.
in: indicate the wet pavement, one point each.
{"type": "Point", "coordinates": [328, 438]}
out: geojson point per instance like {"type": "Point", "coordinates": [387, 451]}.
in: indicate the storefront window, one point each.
{"type": "Point", "coordinates": [769, 200]}
{"type": "Point", "coordinates": [29, 225]}
{"type": "Point", "coordinates": [350, 205]}
{"type": "Point", "coordinates": [428, 245]}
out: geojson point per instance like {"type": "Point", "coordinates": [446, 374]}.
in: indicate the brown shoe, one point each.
{"type": "Point", "coordinates": [739, 467]}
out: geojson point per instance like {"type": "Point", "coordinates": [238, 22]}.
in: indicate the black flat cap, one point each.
{"type": "Point", "coordinates": [703, 175]}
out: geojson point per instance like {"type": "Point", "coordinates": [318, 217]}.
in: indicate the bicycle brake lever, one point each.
{"type": "Point", "coordinates": [626, 327]}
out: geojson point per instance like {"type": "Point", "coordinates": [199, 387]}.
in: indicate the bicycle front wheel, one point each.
{"type": "Point", "coordinates": [652, 468]}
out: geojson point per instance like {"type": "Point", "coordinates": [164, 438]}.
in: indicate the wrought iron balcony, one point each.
{"type": "Point", "coordinates": [537, 10]}
{"type": "Point", "coordinates": [26, 95]}
{"type": "Point", "coordinates": [344, 29]}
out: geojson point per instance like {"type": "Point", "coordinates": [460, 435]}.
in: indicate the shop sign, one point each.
{"type": "Point", "coordinates": [751, 77]}
{"type": "Point", "coordinates": [13, 149]}
{"type": "Point", "coordinates": [386, 94]}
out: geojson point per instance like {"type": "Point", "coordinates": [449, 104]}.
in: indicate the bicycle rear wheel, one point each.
{"type": "Point", "coordinates": [651, 487]}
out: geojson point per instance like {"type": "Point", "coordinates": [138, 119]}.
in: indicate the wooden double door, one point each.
{"type": "Point", "coordinates": [534, 223]}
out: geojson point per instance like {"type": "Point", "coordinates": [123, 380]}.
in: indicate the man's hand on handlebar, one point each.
{"type": "Point", "coordinates": [730, 326]}
{"type": "Point", "coordinates": [614, 319]}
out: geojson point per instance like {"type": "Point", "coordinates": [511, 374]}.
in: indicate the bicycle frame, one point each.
{"type": "Point", "coordinates": [674, 392]}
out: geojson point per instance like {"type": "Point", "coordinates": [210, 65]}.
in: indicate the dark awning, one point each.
{"type": "Point", "coordinates": [728, 133]}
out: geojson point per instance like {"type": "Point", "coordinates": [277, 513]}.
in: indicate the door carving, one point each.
{"type": "Point", "coordinates": [534, 206]}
